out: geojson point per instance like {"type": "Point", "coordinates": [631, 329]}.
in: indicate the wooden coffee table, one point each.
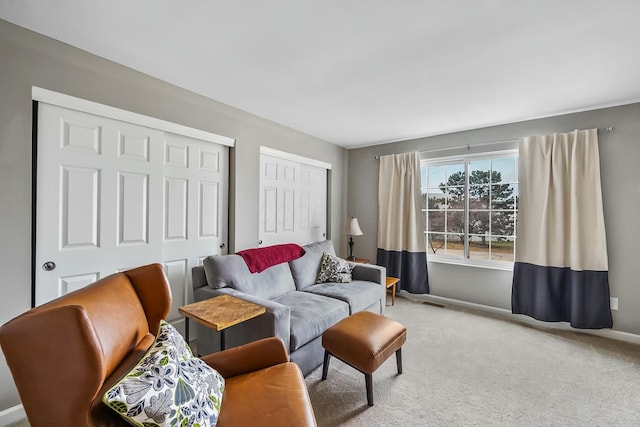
{"type": "Point", "coordinates": [219, 313]}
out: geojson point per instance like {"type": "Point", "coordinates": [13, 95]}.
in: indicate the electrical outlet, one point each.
{"type": "Point", "coordinates": [614, 303]}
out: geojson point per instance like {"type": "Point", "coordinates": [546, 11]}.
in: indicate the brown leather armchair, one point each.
{"type": "Point", "coordinates": [65, 354]}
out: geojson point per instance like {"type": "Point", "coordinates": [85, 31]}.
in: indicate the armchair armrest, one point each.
{"type": "Point", "coordinates": [248, 358]}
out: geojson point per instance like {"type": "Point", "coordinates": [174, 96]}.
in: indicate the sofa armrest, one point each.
{"type": "Point", "coordinates": [370, 273]}
{"type": "Point", "coordinates": [248, 358]}
{"type": "Point", "coordinates": [276, 322]}
{"type": "Point", "coordinates": [198, 278]}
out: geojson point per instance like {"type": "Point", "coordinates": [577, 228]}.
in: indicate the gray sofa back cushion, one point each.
{"type": "Point", "coordinates": [305, 269]}
{"type": "Point", "coordinates": [231, 271]}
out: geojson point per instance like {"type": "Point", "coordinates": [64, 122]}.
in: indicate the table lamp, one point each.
{"type": "Point", "coordinates": [353, 229]}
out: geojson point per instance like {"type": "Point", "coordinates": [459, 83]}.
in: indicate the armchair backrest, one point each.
{"type": "Point", "coordinates": [61, 353]}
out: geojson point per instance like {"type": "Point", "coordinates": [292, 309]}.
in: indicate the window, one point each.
{"type": "Point", "coordinates": [470, 205]}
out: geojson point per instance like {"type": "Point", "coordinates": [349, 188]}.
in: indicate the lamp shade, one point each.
{"type": "Point", "coordinates": [353, 228]}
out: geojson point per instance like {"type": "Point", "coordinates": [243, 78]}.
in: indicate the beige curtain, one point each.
{"type": "Point", "coordinates": [401, 241]}
{"type": "Point", "coordinates": [561, 265]}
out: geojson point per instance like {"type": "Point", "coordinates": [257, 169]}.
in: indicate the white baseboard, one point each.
{"type": "Point", "coordinates": [12, 415]}
{"type": "Point", "coordinates": [606, 333]}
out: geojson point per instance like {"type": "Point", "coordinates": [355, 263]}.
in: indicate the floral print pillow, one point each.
{"type": "Point", "coordinates": [334, 269]}
{"type": "Point", "coordinates": [168, 387]}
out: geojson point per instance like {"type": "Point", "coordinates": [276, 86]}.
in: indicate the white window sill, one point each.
{"type": "Point", "coordinates": [491, 265]}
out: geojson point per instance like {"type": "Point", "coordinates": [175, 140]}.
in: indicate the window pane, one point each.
{"type": "Point", "coordinates": [455, 245]}
{"type": "Point", "coordinates": [503, 249]}
{"type": "Point", "coordinates": [479, 197]}
{"type": "Point", "coordinates": [504, 170]}
{"type": "Point", "coordinates": [479, 247]}
{"type": "Point", "coordinates": [480, 165]}
{"type": "Point", "coordinates": [503, 196]}
{"type": "Point", "coordinates": [479, 171]}
{"type": "Point", "coordinates": [436, 221]}
{"type": "Point", "coordinates": [455, 197]}
{"type": "Point", "coordinates": [435, 243]}
{"type": "Point", "coordinates": [478, 222]}
{"type": "Point", "coordinates": [455, 174]}
{"type": "Point", "coordinates": [502, 223]}
{"type": "Point", "coordinates": [436, 176]}
{"type": "Point", "coordinates": [455, 221]}
{"type": "Point", "coordinates": [437, 200]}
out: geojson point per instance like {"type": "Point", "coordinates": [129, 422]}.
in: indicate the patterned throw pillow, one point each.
{"type": "Point", "coordinates": [168, 387]}
{"type": "Point", "coordinates": [334, 269]}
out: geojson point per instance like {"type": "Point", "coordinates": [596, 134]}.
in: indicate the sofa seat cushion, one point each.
{"type": "Point", "coordinates": [358, 294]}
{"type": "Point", "coordinates": [311, 315]}
{"type": "Point", "coordinates": [274, 396]}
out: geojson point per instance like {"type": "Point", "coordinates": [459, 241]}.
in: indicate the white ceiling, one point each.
{"type": "Point", "coordinates": [363, 72]}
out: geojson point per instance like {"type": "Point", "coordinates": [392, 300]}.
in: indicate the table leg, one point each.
{"type": "Point", "coordinates": [393, 294]}
{"type": "Point", "coordinates": [186, 330]}
{"type": "Point", "coordinates": [222, 340]}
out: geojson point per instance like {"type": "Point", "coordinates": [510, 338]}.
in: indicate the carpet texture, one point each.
{"type": "Point", "coordinates": [465, 368]}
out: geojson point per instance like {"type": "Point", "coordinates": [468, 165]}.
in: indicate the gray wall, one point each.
{"type": "Point", "coordinates": [619, 155]}
{"type": "Point", "coordinates": [28, 59]}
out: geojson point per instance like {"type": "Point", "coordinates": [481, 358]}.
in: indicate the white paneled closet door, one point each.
{"type": "Point", "coordinates": [194, 209]}
{"type": "Point", "coordinates": [111, 195]}
{"type": "Point", "coordinates": [293, 200]}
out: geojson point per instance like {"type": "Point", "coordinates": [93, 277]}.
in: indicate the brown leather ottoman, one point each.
{"type": "Point", "coordinates": [364, 340]}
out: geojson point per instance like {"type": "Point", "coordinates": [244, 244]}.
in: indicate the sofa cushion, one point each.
{"type": "Point", "coordinates": [305, 269]}
{"type": "Point", "coordinates": [231, 271]}
{"type": "Point", "coordinates": [168, 386]}
{"type": "Point", "coordinates": [334, 269]}
{"type": "Point", "coordinates": [358, 294]}
{"type": "Point", "coordinates": [311, 315]}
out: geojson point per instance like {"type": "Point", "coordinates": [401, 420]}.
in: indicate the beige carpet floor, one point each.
{"type": "Point", "coordinates": [465, 368]}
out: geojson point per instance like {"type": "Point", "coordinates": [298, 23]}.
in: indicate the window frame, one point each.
{"type": "Point", "coordinates": [466, 159]}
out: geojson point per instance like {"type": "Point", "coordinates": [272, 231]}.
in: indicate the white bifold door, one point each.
{"type": "Point", "coordinates": [293, 199]}
{"type": "Point", "coordinates": [112, 195]}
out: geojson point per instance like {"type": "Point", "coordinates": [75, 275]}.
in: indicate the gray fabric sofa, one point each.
{"type": "Point", "coordinates": [298, 309]}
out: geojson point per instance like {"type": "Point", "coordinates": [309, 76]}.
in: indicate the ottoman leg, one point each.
{"type": "Point", "coordinates": [325, 365]}
{"type": "Point", "coordinates": [368, 378]}
{"type": "Point", "coordinates": [399, 359]}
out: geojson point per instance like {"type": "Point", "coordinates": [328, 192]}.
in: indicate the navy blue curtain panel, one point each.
{"type": "Point", "coordinates": [401, 242]}
{"type": "Point", "coordinates": [412, 266]}
{"type": "Point", "coordinates": [561, 270]}
{"type": "Point", "coordinates": [554, 294]}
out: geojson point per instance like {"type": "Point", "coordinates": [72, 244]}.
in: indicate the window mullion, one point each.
{"type": "Point", "coordinates": [466, 209]}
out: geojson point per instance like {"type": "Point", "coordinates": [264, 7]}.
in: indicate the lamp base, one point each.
{"type": "Point", "coordinates": [351, 257]}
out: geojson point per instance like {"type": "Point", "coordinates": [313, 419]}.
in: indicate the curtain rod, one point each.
{"type": "Point", "coordinates": [468, 146]}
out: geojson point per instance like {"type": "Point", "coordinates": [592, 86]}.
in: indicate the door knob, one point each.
{"type": "Point", "coordinates": [49, 265]}
{"type": "Point", "coordinates": [222, 246]}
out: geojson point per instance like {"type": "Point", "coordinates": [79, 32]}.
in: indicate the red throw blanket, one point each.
{"type": "Point", "coordinates": [259, 259]}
